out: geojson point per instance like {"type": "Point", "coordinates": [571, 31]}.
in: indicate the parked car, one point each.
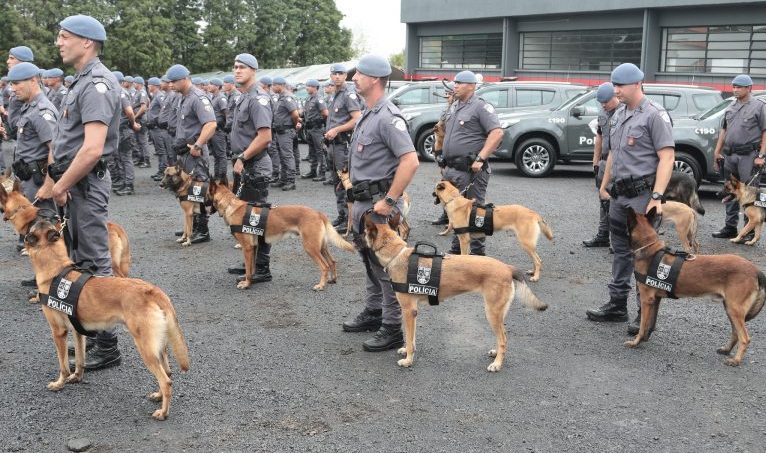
{"type": "Point", "coordinates": [418, 93]}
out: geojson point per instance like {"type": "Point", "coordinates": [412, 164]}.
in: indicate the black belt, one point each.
{"type": "Point", "coordinates": [57, 169]}
{"type": "Point", "coordinates": [366, 190]}
{"type": "Point", "coordinates": [315, 125]}
{"type": "Point", "coordinates": [282, 130]}
{"type": "Point", "coordinates": [26, 171]}
{"type": "Point", "coordinates": [462, 163]}
{"type": "Point", "coordinates": [632, 186]}
{"type": "Point", "coordinates": [743, 150]}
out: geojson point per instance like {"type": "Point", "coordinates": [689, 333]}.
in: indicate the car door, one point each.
{"type": "Point", "coordinates": [579, 129]}
{"type": "Point", "coordinates": [498, 97]}
{"type": "Point", "coordinates": [527, 98]}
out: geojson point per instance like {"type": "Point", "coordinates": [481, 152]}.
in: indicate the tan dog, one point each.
{"type": "Point", "coordinates": [404, 226]}
{"type": "Point", "coordinates": [313, 227]}
{"type": "Point", "coordinates": [460, 274]}
{"type": "Point", "coordinates": [685, 221]}
{"type": "Point", "coordinates": [144, 309]}
{"type": "Point", "coordinates": [526, 223]}
{"type": "Point", "coordinates": [181, 183]}
{"type": "Point", "coordinates": [756, 215]}
{"type": "Point", "coordinates": [21, 213]}
{"type": "Point", "coordinates": [729, 277]}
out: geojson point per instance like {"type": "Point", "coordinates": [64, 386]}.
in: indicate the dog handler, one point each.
{"type": "Point", "coordinates": [638, 170]}
{"type": "Point", "coordinates": [382, 162]}
{"type": "Point", "coordinates": [78, 177]}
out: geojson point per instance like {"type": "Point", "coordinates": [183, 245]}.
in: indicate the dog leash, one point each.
{"type": "Point", "coordinates": [473, 180]}
{"type": "Point", "coordinates": [756, 175]}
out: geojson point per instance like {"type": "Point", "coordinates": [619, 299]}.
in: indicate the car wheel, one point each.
{"type": "Point", "coordinates": [425, 145]}
{"type": "Point", "coordinates": [685, 163]}
{"type": "Point", "coordinates": [535, 158]}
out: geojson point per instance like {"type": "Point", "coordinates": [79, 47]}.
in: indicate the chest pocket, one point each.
{"type": "Point", "coordinates": [636, 135]}
{"type": "Point", "coordinates": [22, 127]}
{"type": "Point", "coordinates": [243, 112]}
{"type": "Point", "coordinates": [363, 147]}
{"type": "Point", "coordinates": [69, 108]}
{"type": "Point", "coordinates": [750, 121]}
{"type": "Point", "coordinates": [465, 119]}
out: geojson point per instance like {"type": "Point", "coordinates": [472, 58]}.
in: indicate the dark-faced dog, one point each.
{"type": "Point", "coordinates": [683, 188]}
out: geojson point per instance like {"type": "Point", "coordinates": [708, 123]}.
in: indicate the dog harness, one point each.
{"type": "Point", "coordinates": [253, 222]}
{"type": "Point", "coordinates": [197, 192]}
{"type": "Point", "coordinates": [67, 295]}
{"type": "Point", "coordinates": [423, 277]}
{"type": "Point", "coordinates": [661, 275]}
{"type": "Point", "coordinates": [480, 221]}
{"type": "Point", "coordinates": [760, 201]}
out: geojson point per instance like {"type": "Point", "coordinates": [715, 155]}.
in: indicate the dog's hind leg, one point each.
{"type": "Point", "coordinates": [149, 335]}
{"type": "Point", "coordinates": [409, 306]}
{"type": "Point", "coordinates": [737, 317]}
{"type": "Point", "coordinates": [330, 262]}
{"type": "Point", "coordinates": [313, 247]}
{"type": "Point", "coordinates": [726, 349]}
{"type": "Point", "coordinates": [529, 244]}
{"type": "Point", "coordinates": [496, 305]}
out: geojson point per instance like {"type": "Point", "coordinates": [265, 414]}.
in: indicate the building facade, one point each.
{"type": "Point", "coordinates": [697, 42]}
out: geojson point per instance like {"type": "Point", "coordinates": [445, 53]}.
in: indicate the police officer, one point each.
{"type": "Point", "coordinates": [68, 81]}
{"type": "Point", "coordinates": [344, 111]}
{"type": "Point", "coordinates": [315, 112]}
{"type": "Point", "coordinates": [638, 169]}
{"type": "Point", "coordinates": [265, 83]}
{"type": "Point", "coordinates": [122, 162]}
{"type": "Point", "coordinates": [250, 137]}
{"type": "Point", "coordinates": [78, 178]}
{"type": "Point", "coordinates": [286, 121]}
{"type": "Point", "coordinates": [152, 122]}
{"type": "Point", "coordinates": [743, 141]}
{"type": "Point", "coordinates": [54, 81]}
{"type": "Point", "coordinates": [140, 105]}
{"type": "Point", "coordinates": [472, 134]}
{"type": "Point", "coordinates": [196, 126]}
{"type": "Point", "coordinates": [19, 54]}
{"type": "Point", "coordinates": [218, 142]}
{"type": "Point", "coordinates": [168, 120]}
{"type": "Point", "coordinates": [609, 103]}
{"type": "Point", "coordinates": [382, 158]}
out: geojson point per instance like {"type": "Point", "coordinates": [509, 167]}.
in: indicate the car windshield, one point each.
{"type": "Point", "coordinates": [720, 107]}
{"type": "Point", "coordinates": [573, 101]}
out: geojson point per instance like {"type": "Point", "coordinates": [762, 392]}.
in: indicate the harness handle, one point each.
{"type": "Point", "coordinates": [434, 250]}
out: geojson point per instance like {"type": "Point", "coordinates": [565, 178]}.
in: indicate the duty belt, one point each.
{"type": "Point", "coordinates": [26, 171]}
{"type": "Point", "coordinates": [64, 295]}
{"type": "Point", "coordinates": [743, 150]}
{"type": "Point", "coordinates": [253, 222]}
{"type": "Point", "coordinates": [664, 276]}
{"type": "Point", "coordinates": [57, 169]}
{"type": "Point", "coordinates": [632, 186]}
{"type": "Point", "coordinates": [282, 129]}
{"type": "Point", "coordinates": [480, 221]}
{"type": "Point", "coordinates": [366, 190]}
{"type": "Point", "coordinates": [314, 124]}
{"type": "Point", "coordinates": [462, 163]}
{"type": "Point", "coordinates": [423, 278]}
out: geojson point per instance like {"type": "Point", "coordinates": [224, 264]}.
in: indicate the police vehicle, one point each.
{"type": "Point", "coordinates": [418, 93]}
{"type": "Point", "coordinates": [536, 141]}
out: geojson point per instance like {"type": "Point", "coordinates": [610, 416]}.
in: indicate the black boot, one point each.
{"type": "Point", "coordinates": [726, 232]}
{"type": "Point", "coordinates": [262, 275]}
{"type": "Point", "coordinates": [614, 311]}
{"type": "Point", "coordinates": [635, 325]}
{"type": "Point", "coordinates": [201, 232]}
{"type": "Point", "coordinates": [101, 357]}
{"type": "Point", "coordinates": [310, 174]}
{"type": "Point", "coordinates": [30, 283]}
{"type": "Point", "coordinates": [319, 177]}
{"type": "Point", "coordinates": [89, 344]}
{"type": "Point", "coordinates": [237, 270]}
{"type": "Point", "coordinates": [288, 186]}
{"type": "Point", "coordinates": [127, 189]}
{"type": "Point", "coordinates": [748, 237]}
{"type": "Point", "coordinates": [389, 336]}
{"type": "Point", "coordinates": [277, 184]}
{"type": "Point", "coordinates": [329, 182]}
{"type": "Point", "coordinates": [366, 321]}
{"type": "Point", "coordinates": [339, 221]}
{"type": "Point", "coordinates": [443, 220]}
{"type": "Point", "coordinates": [597, 241]}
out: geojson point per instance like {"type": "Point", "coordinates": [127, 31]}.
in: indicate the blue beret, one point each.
{"type": "Point", "coordinates": [22, 71]}
{"type": "Point", "coordinates": [742, 80]}
{"type": "Point", "coordinates": [216, 81]}
{"type": "Point", "coordinates": [627, 73]}
{"type": "Point", "coordinates": [466, 77]}
{"type": "Point", "coordinates": [605, 92]}
{"type": "Point", "coordinates": [22, 53]}
{"type": "Point", "coordinates": [118, 75]}
{"type": "Point", "coordinates": [154, 81]}
{"type": "Point", "coordinates": [266, 80]}
{"type": "Point", "coordinates": [128, 79]}
{"type": "Point", "coordinates": [139, 80]}
{"type": "Point", "coordinates": [228, 79]}
{"type": "Point", "coordinates": [204, 81]}
{"type": "Point", "coordinates": [84, 26]}
{"type": "Point", "coordinates": [41, 72]}
{"type": "Point", "coordinates": [374, 66]}
{"type": "Point", "coordinates": [279, 81]}
{"type": "Point", "coordinates": [69, 79]}
{"type": "Point", "coordinates": [196, 80]}
{"type": "Point", "coordinates": [338, 67]}
{"type": "Point", "coordinates": [55, 72]}
{"type": "Point", "coordinates": [177, 72]}
{"type": "Point", "coordinates": [246, 58]}
{"type": "Point", "coordinates": [312, 83]}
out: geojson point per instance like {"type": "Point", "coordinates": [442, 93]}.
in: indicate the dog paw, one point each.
{"type": "Point", "coordinates": [243, 284]}
{"type": "Point", "coordinates": [237, 245]}
{"type": "Point", "coordinates": [154, 396]}
{"type": "Point", "coordinates": [723, 351]}
{"type": "Point", "coordinates": [632, 343]}
{"type": "Point", "coordinates": [186, 243]}
{"type": "Point", "coordinates": [731, 362]}
{"type": "Point", "coordinates": [74, 378]}
{"type": "Point", "coordinates": [181, 239]}
{"type": "Point", "coordinates": [751, 242]}
{"type": "Point", "coordinates": [492, 353]}
{"type": "Point", "coordinates": [55, 386]}
{"type": "Point", "coordinates": [494, 367]}
{"type": "Point", "coordinates": [318, 287]}
{"type": "Point", "coordinates": [534, 278]}
{"type": "Point", "coordinates": [404, 363]}
{"type": "Point", "coordinates": [735, 240]}
{"type": "Point", "coordinates": [159, 415]}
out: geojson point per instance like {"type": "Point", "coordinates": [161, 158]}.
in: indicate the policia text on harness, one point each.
{"type": "Point", "coordinates": [661, 275]}
{"type": "Point", "coordinates": [253, 222]}
{"type": "Point", "coordinates": [64, 295]}
{"type": "Point", "coordinates": [423, 278]}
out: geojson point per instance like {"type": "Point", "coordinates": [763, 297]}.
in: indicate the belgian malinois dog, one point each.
{"type": "Point", "coordinates": [313, 227]}
{"type": "Point", "coordinates": [526, 223]}
{"type": "Point", "coordinates": [685, 221]}
{"type": "Point", "coordinates": [18, 210]}
{"type": "Point", "coordinates": [497, 282]}
{"type": "Point", "coordinates": [737, 281]}
{"type": "Point", "coordinates": [181, 183]}
{"type": "Point", "coordinates": [683, 188]}
{"type": "Point", "coordinates": [144, 309]}
{"type": "Point", "coordinates": [746, 196]}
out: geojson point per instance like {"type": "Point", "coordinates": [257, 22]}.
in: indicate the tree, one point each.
{"type": "Point", "coordinates": [136, 39]}
{"type": "Point", "coordinates": [397, 59]}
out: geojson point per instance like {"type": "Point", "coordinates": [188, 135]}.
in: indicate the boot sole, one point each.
{"type": "Point", "coordinates": [109, 364]}
{"type": "Point", "coordinates": [394, 345]}
{"type": "Point", "coordinates": [364, 328]}
{"type": "Point", "coordinates": [595, 318]}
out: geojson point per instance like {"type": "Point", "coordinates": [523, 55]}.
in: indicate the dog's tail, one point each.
{"type": "Point", "coordinates": [545, 229]}
{"type": "Point", "coordinates": [760, 298]}
{"type": "Point", "coordinates": [176, 337]}
{"type": "Point", "coordinates": [524, 294]}
{"type": "Point", "coordinates": [336, 239]}
{"type": "Point", "coordinates": [694, 202]}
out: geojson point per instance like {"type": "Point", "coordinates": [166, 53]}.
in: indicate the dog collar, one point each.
{"type": "Point", "coordinates": [401, 252]}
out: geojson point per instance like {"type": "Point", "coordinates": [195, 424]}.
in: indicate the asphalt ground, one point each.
{"type": "Point", "coordinates": [272, 371]}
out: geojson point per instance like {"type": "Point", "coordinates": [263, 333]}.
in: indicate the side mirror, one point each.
{"type": "Point", "coordinates": [577, 111]}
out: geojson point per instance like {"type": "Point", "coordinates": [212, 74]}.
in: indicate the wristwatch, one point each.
{"type": "Point", "coordinates": [241, 156]}
{"type": "Point", "coordinates": [197, 146]}
{"type": "Point", "coordinates": [480, 159]}
{"type": "Point", "coordinates": [390, 200]}
{"type": "Point", "coordinates": [760, 155]}
{"type": "Point", "coordinates": [658, 196]}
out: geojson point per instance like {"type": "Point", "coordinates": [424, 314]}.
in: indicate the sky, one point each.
{"type": "Point", "coordinates": [375, 24]}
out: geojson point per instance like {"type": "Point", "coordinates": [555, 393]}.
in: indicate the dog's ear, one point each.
{"type": "Point", "coordinates": [371, 230]}
{"type": "Point", "coordinates": [440, 186]}
{"type": "Point", "coordinates": [3, 195]}
{"type": "Point", "coordinates": [16, 185]}
{"type": "Point", "coordinates": [212, 187]}
{"type": "Point", "coordinates": [632, 219]}
{"type": "Point", "coordinates": [52, 235]}
{"type": "Point", "coordinates": [651, 215]}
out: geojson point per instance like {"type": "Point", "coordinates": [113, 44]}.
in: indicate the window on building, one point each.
{"type": "Point", "coordinates": [528, 97]}
{"type": "Point", "coordinates": [730, 49]}
{"type": "Point", "coordinates": [481, 51]}
{"type": "Point", "coordinates": [584, 50]}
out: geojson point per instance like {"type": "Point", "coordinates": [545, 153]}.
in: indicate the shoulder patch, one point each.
{"type": "Point", "coordinates": [48, 116]}
{"type": "Point", "coordinates": [102, 88]}
{"type": "Point", "coordinates": [488, 107]}
{"type": "Point", "coordinates": [399, 124]}
{"type": "Point", "coordinates": [263, 101]}
{"type": "Point", "coordinates": [122, 95]}
{"type": "Point", "coordinates": [665, 117]}
{"type": "Point", "coordinates": [352, 95]}
{"type": "Point", "coordinates": [289, 98]}
{"type": "Point", "coordinates": [205, 100]}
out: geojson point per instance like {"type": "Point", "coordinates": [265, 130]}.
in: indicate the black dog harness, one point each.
{"type": "Point", "coordinates": [67, 295]}
{"type": "Point", "coordinates": [253, 222]}
{"type": "Point", "coordinates": [760, 201]}
{"type": "Point", "coordinates": [664, 276]}
{"type": "Point", "coordinates": [197, 192]}
{"type": "Point", "coordinates": [480, 221]}
{"type": "Point", "coordinates": [423, 277]}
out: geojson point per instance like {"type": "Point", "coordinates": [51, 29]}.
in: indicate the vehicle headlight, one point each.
{"type": "Point", "coordinates": [410, 116]}
{"type": "Point", "coordinates": [505, 124]}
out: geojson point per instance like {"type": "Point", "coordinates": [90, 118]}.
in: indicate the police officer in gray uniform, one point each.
{"type": "Point", "coordinates": [140, 105]}
{"type": "Point", "coordinates": [123, 161]}
{"type": "Point", "coordinates": [609, 103]}
{"type": "Point", "coordinates": [82, 181]}
{"type": "Point", "coordinates": [250, 137]}
{"type": "Point", "coordinates": [344, 111]}
{"type": "Point", "coordinates": [382, 163]}
{"type": "Point", "coordinates": [57, 90]}
{"type": "Point", "coordinates": [637, 172]}
{"type": "Point", "coordinates": [315, 112]}
{"type": "Point", "coordinates": [16, 55]}
{"type": "Point", "coordinates": [218, 142]}
{"type": "Point", "coordinates": [196, 126]}
{"type": "Point", "coordinates": [168, 120]}
{"type": "Point", "coordinates": [265, 83]}
{"type": "Point", "coordinates": [743, 141]}
{"type": "Point", "coordinates": [286, 120]}
{"type": "Point", "coordinates": [152, 122]}
{"type": "Point", "coordinates": [472, 134]}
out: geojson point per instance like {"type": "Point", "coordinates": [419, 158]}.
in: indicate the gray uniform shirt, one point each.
{"type": "Point", "coordinates": [467, 126]}
{"type": "Point", "coordinates": [744, 122]}
{"type": "Point", "coordinates": [380, 138]}
{"type": "Point", "coordinates": [168, 109]}
{"type": "Point", "coordinates": [313, 109]}
{"type": "Point", "coordinates": [343, 103]}
{"type": "Point", "coordinates": [155, 107]}
{"type": "Point", "coordinates": [194, 112]}
{"type": "Point", "coordinates": [635, 138]}
{"type": "Point", "coordinates": [250, 114]}
{"type": "Point", "coordinates": [286, 104]}
{"type": "Point", "coordinates": [56, 96]}
{"type": "Point", "coordinates": [220, 107]}
{"type": "Point", "coordinates": [36, 127]}
{"type": "Point", "coordinates": [93, 96]}
{"type": "Point", "coordinates": [602, 129]}
{"type": "Point", "coordinates": [140, 98]}
{"type": "Point", "coordinates": [125, 102]}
